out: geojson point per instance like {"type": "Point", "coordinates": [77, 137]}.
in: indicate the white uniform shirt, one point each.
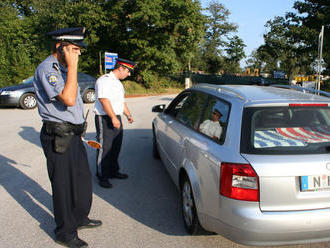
{"type": "Point", "coordinates": [211, 128]}
{"type": "Point", "coordinates": [108, 86]}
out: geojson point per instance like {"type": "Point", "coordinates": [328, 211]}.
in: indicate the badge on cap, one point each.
{"type": "Point", "coordinates": [52, 78]}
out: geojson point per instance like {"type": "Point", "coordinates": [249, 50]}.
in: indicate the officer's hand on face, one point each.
{"type": "Point", "coordinates": [71, 55]}
{"type": "Point", "coordinates": [115, 122]}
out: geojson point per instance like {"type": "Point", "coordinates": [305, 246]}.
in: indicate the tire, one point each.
{"type": "Point", "coordinates": [89, 96]}
{"type": "Point", "coordinates": [155, 151]}
{"type": "Point", "coordinates": [28, 101]}
{"type": "Point", "coordinates": [189, 213]}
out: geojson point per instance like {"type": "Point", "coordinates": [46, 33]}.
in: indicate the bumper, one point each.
{"type": "Point", "coordinates": [7, 100]}
{"type": "Point", "coordinates": [244, 223]}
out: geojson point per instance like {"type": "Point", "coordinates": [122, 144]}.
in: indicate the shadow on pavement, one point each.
{"type": "Point", "coordinates": [31, 135]}
{"type": "Point", "coordinates": [148, 195]}
{"type": "Point", "coordinates": [26, 192]}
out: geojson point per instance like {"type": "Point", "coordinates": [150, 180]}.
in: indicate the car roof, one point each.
{"type": "Point", "coordinates": [259, 95]}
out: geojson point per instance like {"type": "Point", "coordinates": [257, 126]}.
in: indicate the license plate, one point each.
{"type": "Point", "coordinates": [315, 183]}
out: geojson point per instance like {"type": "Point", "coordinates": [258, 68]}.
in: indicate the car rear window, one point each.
{"type": "Point", "coordinates": [286, 130]}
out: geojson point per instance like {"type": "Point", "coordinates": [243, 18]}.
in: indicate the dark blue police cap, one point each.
{"type": "Point", "coordinates": [71, 35]}
{"type": "Point", "coordinates": [127, 63]}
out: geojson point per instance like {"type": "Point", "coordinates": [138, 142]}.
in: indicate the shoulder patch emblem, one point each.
{"type": "Point", "coordinates": [52, 78]}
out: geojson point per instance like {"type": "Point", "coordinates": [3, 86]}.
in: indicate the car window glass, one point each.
{"type": "Point", "coordinates": [289, 129]}
{"type": "Point", "coordinates": [190, 112]}
{"type": "Point", "coordinates": [177, 104]}
{"type": "Point", "coordinates": [214, 120]}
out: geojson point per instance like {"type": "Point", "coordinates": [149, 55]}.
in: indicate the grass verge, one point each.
{"type": "Point", "coordinates": [134, 89]}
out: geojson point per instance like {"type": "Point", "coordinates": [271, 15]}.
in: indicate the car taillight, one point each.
{"type": "Point", "coordinates": [239, 181]}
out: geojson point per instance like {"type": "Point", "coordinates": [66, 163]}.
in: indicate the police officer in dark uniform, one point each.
{"type": "Point", "coordinates": [61, 109]}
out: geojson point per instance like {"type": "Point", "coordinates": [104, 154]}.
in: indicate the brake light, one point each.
{"type": "Point", "coordinates": [239, 181]}
{"type": "Point", "coordinates": [308, 105]}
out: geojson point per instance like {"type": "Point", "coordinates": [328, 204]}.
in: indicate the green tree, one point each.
{"type": "Point", "coordinates": [235, 53]}
{"type": "Point", "coordinates": [16, 47]}
{"type": "Point", "coordinates": [254, 61]}
{"type": "Point", "coordinates": [218, 31]}
{"type": "Point", "coordinates": [91, 15]}
{"type": "Point", "coordinates": [312, 14]}
{"type": "Point", "coordinates": [291, 42]}
{"type": "Point", "coordinates": [161, 35]}
{"type": "Point", "coordinates": [283, 49]}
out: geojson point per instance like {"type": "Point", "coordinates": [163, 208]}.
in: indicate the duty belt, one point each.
{"type": "Point", "coordinates": [63, 133]}
{"type": "Point", "coordinates": [64, 128]}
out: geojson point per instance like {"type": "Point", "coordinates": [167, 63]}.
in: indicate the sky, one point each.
{"type": "Point", "coordinates": [251, 16]}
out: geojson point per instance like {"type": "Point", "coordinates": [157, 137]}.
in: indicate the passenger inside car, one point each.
{"type": "Point", "coordinates": [212, 128]}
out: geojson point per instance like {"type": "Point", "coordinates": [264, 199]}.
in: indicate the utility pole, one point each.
{"type": "Point", "coordinates": [320, 50]}
{"type": "Point", "coordinates": [187, 82]}
{"type": "Point", "coordinates": [100, 64]}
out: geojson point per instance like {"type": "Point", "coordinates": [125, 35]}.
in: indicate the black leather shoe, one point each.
{"type": "Point", "coordinates": [119, 176]}
{"type": "Point", "coordinates": [105, 184]}
{"type": "Point", "coordinates": [90, 224]}
{"type": "Point", "coordinates": [73, 243]}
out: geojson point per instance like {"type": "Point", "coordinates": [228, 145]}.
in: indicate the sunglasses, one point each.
{"type": "Point", "coordinates": [216, 113]}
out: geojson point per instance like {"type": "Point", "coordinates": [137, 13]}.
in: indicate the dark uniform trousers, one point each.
{"type": "Point", "coordinates": [71, 181]}
{"type": "Point", "coordinates": [111, 140]}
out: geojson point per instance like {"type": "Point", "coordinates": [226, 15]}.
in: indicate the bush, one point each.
{"type": "Point", "coordinates": [325, 85]}
{"type": "Point", "coordinates": [155, 82]}
{"type": "Point", "coordinates": [164, 86]}
{"type": "Point", "coordinates": [132, 87]}
{"type": "Point", "coordinates": [150, 79]}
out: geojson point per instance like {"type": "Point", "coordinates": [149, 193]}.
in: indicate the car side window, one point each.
{"type": "Point", "coordinates": [191, 109]}
{"type": "Point", "coordinates": [214, 120]}
{"type": "Point", "coordinates": [177, 104]}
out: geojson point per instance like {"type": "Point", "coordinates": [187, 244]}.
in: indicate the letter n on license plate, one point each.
{"type": "Point", "coordinates": [315, 183]}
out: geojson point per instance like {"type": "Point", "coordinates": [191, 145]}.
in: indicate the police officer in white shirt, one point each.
{"type": "Point", "coordinates": [109, 106]}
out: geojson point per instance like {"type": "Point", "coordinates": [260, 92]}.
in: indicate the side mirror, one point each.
{"type": "Point", "coordinates": [158, 108]}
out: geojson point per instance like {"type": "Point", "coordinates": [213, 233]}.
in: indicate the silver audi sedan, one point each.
{"type": "Point", "coordinates": [252, 163]}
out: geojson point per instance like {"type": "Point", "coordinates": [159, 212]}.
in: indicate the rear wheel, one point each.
{"type": "Point", "coordinates": [28, 101]}
{"type": "Point", "coordinates": [189, 212]}
{"type": "Point", "coordinates": [89, 96]}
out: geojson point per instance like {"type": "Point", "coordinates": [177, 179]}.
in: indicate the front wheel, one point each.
{"type": "Point", "coordinates": [28, 101]}
{"type": "Point", "coordinates": [189, 212]}
{"type": "Point", "coordinates": [89, 96]}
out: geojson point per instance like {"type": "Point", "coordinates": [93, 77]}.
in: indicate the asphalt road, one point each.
{"type": "Point", "coordinates": [141, 212]}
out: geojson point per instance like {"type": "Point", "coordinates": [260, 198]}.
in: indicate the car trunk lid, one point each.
{"type": "Point", "coordinates": [292, 182]}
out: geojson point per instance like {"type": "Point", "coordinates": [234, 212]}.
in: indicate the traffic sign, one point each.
{"type": "Point", "coordinates": [110, 60]}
